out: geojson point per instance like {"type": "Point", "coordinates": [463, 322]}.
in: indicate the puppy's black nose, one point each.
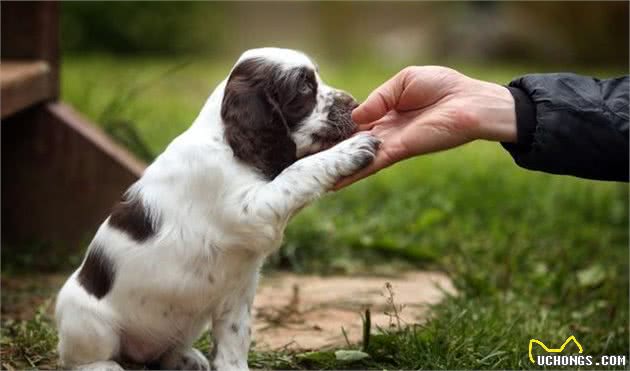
{"type": "Point", "coordinates": [340, 114]}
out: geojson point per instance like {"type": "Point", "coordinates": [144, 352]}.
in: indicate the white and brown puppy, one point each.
{"type": "Point", "coordinates": [183, 248]}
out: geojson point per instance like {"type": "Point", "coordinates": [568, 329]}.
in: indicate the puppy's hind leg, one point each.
{"type": "Point", "coordinates": [86, 340]}
{"type": "Point", "coordinates": [187, 359]}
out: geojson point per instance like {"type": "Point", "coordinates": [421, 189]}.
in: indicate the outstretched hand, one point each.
{"type": "Point", "coordinates": [428, 109]}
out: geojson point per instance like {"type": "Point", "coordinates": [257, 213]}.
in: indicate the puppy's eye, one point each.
{"type": "Point", "coordinates": [306, 88]}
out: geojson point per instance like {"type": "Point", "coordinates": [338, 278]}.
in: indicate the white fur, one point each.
{"type": "Point", "coordinates": [218, 220]}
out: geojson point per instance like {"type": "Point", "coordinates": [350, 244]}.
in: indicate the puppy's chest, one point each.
{"type": "Point", "coordinates": [188, 285]}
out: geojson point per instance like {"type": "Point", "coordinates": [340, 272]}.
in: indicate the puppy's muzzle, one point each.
{"type": "Point", "coordinates": [339, 122]}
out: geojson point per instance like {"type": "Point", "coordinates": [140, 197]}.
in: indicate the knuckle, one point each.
{"type": "Point", "coordinates": [385, 100]}
{"type": "Point", "coordinates": [409, 70]}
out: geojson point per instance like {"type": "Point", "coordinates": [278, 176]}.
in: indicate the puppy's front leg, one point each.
{"type": "Point", "coordinates": [312, 176]}
{"type": "Point", "coordinates": [231, 333]}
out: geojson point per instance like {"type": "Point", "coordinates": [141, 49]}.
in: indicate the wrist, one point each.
{"type": "Point", "coordinates": [497, 114]}
{"type": "Point", "coordinates": [525, 118]}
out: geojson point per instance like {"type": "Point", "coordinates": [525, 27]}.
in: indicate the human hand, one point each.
{"type": "Point", "coordinates": [429, 109]}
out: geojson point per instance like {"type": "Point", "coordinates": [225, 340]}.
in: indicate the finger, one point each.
{"type": "Point", "coordinates": [382, 100]}
{"type": "Point", "coordinates": [365, 127]}
{"type": "Point", "coordinates": [393, 118]}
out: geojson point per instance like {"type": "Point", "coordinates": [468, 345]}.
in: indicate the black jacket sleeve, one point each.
{"type": "Point", "coordinates": [570, 124]}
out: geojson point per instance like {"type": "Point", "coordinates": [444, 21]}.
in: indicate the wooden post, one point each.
{"type": "Point", "coordinates": [60, 173]}
{"type": "Point", "coordinates": [30, 31]}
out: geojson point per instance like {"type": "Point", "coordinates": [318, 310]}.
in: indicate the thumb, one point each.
{"type": "Point", "coordinates": [382, 100]}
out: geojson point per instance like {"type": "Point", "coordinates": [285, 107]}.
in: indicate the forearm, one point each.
{"type": "Point", "coordinates": [312, 176]}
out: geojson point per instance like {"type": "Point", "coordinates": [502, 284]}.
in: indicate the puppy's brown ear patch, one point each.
{"type": "Point", "coordinates": [97, 273]}
{"type": "Point", "coordinates": [255, 127]}
{"type": "Point", "coordinates": [131, 217]}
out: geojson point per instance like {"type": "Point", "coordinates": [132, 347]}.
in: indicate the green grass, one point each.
{"type": "Point", "coordinates": [29, 344]}
{"type": "Point", "coordinates": [532, 255]}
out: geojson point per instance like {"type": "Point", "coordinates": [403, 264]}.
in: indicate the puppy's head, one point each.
{"type": "Point", "coordinates": [277, 109]}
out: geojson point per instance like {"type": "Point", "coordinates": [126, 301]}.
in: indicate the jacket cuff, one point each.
{"type": "Point", "coordinates": [525, 121]}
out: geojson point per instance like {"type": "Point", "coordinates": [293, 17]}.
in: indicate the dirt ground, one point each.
{"type": "Point", "coordinates": [309, 312]}
{"type": "Point", "coordinates": [290, 311]}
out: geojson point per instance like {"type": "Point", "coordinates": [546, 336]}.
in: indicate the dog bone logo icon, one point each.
{"type": "Point", "coordinates": [553, 350]}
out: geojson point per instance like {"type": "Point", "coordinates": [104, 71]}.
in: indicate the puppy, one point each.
{"type": "Point", "coordinates": [183, 248]}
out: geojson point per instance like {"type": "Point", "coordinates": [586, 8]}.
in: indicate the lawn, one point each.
{"type": "Point", "coordinates": [532, 255]}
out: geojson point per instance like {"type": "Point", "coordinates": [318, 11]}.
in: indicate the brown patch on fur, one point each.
{"type": "Point", "coordinates": [340, 121]}
{"type": "Point", "coordinates": [97, 272]}
{"type": "Point", "coordinates": [130, 216]}
{"type": "Point", "coordinates": [262, 104]}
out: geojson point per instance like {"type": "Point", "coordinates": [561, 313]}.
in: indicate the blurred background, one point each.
{"type": "Point", "coordinates": [561, 33]}
{"type": "Point", "coordinates": [137, 50]}
{"type": "Point", "coordinates": [531, 254]}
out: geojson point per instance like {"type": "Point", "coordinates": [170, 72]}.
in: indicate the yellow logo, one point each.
{"type": "Point", "coordinates": [553, 350]}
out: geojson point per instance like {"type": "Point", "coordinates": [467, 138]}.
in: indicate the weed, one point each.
{"type": "Point", "coordinates": [29, 344]}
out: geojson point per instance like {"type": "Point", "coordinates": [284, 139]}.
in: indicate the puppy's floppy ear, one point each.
{"type": "Point", "coordinates": [255, 127]}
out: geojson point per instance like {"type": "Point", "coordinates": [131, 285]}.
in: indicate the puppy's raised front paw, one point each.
{"type": "Point", "coordinates": [357, 153]}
